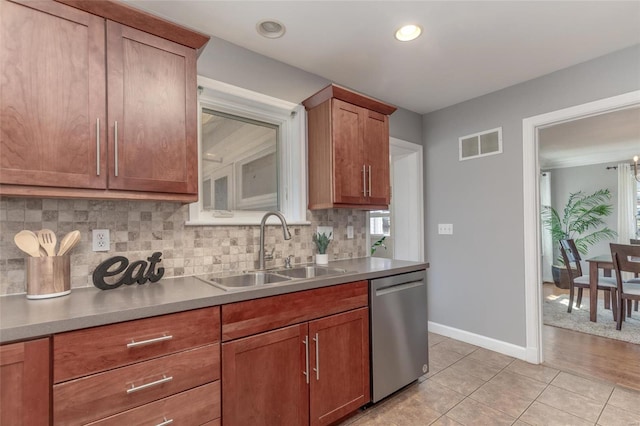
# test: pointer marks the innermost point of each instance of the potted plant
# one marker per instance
(379, 243)
(322, 241)
(582, 220)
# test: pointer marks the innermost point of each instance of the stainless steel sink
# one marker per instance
(244, 280)
(309, 271)
(252, 279)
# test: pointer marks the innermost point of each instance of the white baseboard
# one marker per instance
(499, 346)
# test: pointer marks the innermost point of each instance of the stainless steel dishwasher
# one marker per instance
(399, 347)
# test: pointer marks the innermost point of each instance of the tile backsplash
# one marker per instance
(138, 228)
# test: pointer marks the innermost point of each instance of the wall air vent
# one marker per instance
(481, 144)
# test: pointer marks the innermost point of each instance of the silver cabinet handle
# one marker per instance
(165, 421)
(369, 180)
(115, 150)
(164, 379)
(135, 344)
(364, 180)
(98, 146)
(306, 351)
(317, 369)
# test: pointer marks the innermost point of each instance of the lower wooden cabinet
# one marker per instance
(312, 373)
(25, 383)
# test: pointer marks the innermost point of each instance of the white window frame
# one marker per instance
(292, 178)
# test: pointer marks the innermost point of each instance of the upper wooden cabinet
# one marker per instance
(348, 137)
(93, 107)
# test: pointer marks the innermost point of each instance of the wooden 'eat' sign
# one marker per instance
(139, 271)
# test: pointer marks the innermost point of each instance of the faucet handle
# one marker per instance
(287, 261)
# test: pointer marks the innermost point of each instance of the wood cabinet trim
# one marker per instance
(250, 317)
(338, 92)
(136, 18)
(94, 194)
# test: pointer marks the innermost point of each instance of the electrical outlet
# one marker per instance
(445, 228)
(350, 232)
(101, 241)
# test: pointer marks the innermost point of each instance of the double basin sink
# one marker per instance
(246, 280)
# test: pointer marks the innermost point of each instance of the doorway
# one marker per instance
(531, 192)
(405, 218)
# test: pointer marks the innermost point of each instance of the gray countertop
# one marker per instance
(22, 318)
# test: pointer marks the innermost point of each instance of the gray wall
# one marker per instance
(587, 179)
(476, 278)
(232, 64)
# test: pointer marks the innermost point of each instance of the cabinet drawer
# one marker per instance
(83, 352)
(193, 407)
(255, 316)
(94, 397)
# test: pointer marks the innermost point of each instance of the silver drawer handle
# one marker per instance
(317, 369)
(135, 344)
(98, 146)
(164, 379)
(306, 352)
(369, 180)
(165, 421)
(115, 151)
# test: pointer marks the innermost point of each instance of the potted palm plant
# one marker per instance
(583, 221)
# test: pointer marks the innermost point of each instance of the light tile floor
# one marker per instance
(468, 385)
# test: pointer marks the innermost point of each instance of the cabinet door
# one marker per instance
(151, 85)
(263, 379)
(339, 365)
(53, 96)
(376, 154)
(25, 383)
(348, 160)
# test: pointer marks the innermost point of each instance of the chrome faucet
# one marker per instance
(285, 231)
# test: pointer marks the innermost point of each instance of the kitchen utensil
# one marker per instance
(68, 242)
(47, 239)
(28, 242)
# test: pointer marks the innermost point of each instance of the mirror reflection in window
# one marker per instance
(239, 163)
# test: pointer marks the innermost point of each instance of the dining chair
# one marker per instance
(626, 258)
(571, 258)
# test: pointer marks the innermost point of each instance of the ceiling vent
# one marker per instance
(481, 144)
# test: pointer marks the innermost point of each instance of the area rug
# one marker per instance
(555, 314)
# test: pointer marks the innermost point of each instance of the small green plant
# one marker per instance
(378, 243)
(322, 241)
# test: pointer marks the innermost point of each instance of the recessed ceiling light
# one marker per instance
(270, 29)
(408, 32)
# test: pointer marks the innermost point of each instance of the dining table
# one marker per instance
(604, 262)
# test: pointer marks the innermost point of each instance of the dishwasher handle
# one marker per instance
(397, 287)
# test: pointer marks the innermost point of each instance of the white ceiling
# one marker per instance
(468, 48)
(604, 138)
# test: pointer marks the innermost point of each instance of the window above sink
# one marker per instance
(226, 196)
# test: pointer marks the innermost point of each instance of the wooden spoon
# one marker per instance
(28, 242)
(48, 240)
(68, 242)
